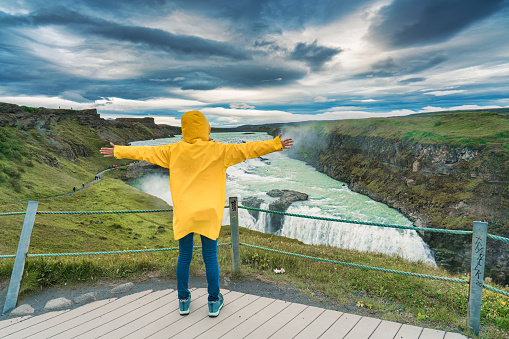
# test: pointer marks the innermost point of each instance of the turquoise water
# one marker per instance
(327, 197)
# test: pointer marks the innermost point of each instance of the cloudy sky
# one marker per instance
(255, 61)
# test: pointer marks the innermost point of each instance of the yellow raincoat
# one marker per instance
(198, 173)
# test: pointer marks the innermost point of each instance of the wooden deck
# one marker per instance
(150, 314)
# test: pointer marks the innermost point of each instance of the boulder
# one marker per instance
(24, 309)
(286, 198)
(57, 303)
(253, 202)
(122, 288)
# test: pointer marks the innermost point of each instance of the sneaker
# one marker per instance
(184, 305)
(216, 306)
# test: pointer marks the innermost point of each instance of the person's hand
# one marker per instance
(287, 143)
(107, 151)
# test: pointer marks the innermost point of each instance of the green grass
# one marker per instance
(92, 232)
(475, 129)
(35, 165)
(399, 298)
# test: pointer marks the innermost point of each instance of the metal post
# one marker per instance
(479, 235)
(234, 226)
(19, 263)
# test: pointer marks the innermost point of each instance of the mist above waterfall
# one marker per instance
(157, 185)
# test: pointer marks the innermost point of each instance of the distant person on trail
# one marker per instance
(198, 187)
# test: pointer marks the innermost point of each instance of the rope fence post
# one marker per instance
(480, 232)
(11, 298)
(234, 226)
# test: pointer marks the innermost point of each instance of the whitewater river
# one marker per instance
(327, 198)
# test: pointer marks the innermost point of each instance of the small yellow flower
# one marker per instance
(503, 303)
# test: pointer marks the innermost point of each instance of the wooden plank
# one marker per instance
(319, 325)
(118, 318)
(297, 324)
(342, 326)
(173, 322)
(429, 333)
(364, 328)
(386, 330)
(147, 314)
(278, 321)
(257, 320)
(12, 321)
(240, 318)
(452, 335)
(169, 315)
(39, 330)
(213, 327)
(183, 327)
(33, 321)
(77, 322)
(408, 332)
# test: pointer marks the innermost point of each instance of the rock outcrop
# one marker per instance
(275, 221)
(286, 198)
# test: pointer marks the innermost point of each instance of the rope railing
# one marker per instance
(496, 237)
(370, 267)
(439, 230)
(39, 255)
(263, 248)
(91, 212)
(357, 265)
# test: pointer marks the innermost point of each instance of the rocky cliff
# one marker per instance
(26, 118)
(435, 184)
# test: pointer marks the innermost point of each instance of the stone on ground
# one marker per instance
(22, 310)
(86, 298)
(122, 288)
(57, 303)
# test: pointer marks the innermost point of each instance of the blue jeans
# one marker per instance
(209, 252)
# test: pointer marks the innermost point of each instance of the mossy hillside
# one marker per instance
(35, 164)
(474, 129)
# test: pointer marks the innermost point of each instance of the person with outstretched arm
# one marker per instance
(197, 168)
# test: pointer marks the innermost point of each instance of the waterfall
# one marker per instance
(327, 198)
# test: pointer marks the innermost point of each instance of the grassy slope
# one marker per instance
(92, 232)
(465, 129)
(26, 157)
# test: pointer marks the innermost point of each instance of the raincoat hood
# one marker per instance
(195, 127)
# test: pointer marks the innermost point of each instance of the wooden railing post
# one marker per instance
(19, 263)
(234, 226)
(480, 232)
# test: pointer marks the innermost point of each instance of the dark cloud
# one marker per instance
(179, 45)
(410, 80)
(257, 15)
(313, 55)
(242, 75)
(409, 65)
(408, 22)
